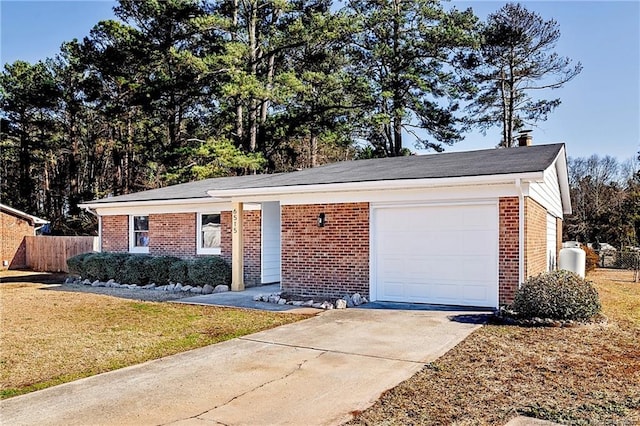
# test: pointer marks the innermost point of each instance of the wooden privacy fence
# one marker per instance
(50, 254)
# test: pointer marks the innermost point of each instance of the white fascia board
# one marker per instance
(35, 220)
(563, 180)
(158, 207)
(382, 185)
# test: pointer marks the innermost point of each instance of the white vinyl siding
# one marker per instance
(551, 243)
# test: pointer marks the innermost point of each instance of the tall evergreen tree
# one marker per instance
(406, 49)
(516, 58)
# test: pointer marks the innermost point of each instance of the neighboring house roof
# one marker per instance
(33, 220)
(489, 162)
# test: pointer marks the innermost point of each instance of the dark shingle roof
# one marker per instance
(433, 166)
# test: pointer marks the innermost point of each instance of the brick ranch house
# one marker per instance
(460, 228)
(14, 226)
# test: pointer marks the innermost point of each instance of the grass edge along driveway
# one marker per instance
(53, 337)
(583, 375)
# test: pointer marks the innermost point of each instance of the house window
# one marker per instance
(139, 234)
(209, 233)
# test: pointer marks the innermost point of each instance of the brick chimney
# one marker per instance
(525, 138)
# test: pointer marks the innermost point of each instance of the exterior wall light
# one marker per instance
(321, 220)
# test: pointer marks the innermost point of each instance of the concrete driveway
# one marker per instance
(317, 371)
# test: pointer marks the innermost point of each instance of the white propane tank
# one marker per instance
(572, 258)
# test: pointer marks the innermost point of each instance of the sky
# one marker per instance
(600, 110)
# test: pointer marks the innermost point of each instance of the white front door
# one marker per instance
(440, 254)
(270, 250)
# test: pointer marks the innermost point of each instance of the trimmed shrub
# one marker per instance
(159, 268)
(179, 272)
(212, 270)
(559, 295)
(94, 267)
(75, 264)
(114, 265)
(136, 269)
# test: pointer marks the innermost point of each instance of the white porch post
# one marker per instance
(237, 248)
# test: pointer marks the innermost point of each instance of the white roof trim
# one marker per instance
(380, 185)
(563, 180)
(33, 219)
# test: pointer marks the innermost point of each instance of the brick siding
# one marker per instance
(509, 248)
(172, 234)
(13, 245)
(535, 238)
(325, 261)
(252, 244)
(115, 234)
(175, 234)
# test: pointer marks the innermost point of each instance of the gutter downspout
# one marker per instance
(520, 232)
(90, 211)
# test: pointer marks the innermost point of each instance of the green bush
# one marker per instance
(75, 264)
(210, 270)
(114, 265)
(159, 268)
(179, 272)
(559, 295)
(94, 267)
(136, 269)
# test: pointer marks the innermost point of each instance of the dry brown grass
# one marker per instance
(582, 375)
(51, 337)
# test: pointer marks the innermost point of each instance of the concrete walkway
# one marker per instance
(315, 371)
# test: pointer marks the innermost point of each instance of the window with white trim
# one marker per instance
(139, 234)
(209, 233)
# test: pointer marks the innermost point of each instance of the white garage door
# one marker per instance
(436, 254)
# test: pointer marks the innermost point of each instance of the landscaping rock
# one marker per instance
(111, 281)
(364, 300)
(257, 298)
(161, 288)
(207, 289)
(170, 287)
(357, 299)
(186, 288)
(69, 280)
(132, 287)
(326, 305)
(221, 288)
(274, 298)
(297, 303)
(86, 282)
(96, 283)
(282, 301)
(341, 304)
(177, 287)
(265, 298)
(308, 303)
(347, 299)
(196, 290)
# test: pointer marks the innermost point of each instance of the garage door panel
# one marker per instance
(442, 254)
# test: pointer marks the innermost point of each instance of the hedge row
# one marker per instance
(143, 269)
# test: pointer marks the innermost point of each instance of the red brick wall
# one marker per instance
(252, 244)
(172, 234)
(115, 234)
(325, 261)
(509, 247)
(535, 238)
(12, 246)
